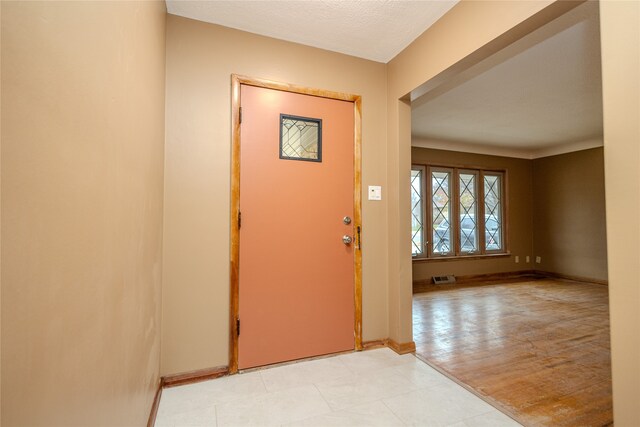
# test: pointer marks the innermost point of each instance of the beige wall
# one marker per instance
(200, 60)
(82, 175)
(569, 221)
(519, 203)
(620, 35)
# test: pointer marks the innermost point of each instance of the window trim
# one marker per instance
(455, 169)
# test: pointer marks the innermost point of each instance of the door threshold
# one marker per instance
(293, 362)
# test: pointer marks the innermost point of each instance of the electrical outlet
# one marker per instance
(538, 260)
(527, 258)
(517, 259)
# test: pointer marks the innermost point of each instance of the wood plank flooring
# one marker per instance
(539, 349)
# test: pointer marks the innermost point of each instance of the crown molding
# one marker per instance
(505, 151)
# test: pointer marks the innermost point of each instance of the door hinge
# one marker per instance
(239, 219)
(240, 115)
(238, 326)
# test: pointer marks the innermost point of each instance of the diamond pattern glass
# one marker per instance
(468, 213)
(493, 212)
(417, 228)
(300, 138)
(441, 210)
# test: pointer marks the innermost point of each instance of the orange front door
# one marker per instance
(296, 293)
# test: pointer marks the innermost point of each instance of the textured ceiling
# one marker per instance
(371, 29)
(542, 92)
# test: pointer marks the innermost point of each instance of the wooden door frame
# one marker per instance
(236, 82)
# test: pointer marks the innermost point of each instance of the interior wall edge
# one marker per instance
(620, 44)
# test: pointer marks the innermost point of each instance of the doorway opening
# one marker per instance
(526, 324)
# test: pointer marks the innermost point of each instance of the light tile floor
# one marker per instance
(369, 388)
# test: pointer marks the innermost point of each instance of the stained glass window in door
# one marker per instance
(300, 138)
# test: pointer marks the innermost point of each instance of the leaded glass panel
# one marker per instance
(493, 212)
(468, 212)
(441, 212)
(417, 227)
(300, 138)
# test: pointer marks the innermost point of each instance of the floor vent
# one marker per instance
(444, 280)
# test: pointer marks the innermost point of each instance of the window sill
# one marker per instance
(462, 257)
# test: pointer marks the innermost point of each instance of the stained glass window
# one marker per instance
(417, 220)
(457, 212)
(468, 211)
(300, 138)
(493, 212)
(441, 212)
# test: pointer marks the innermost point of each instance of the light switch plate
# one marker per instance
(375, 192)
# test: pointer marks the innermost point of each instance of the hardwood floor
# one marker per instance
(539, 349)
